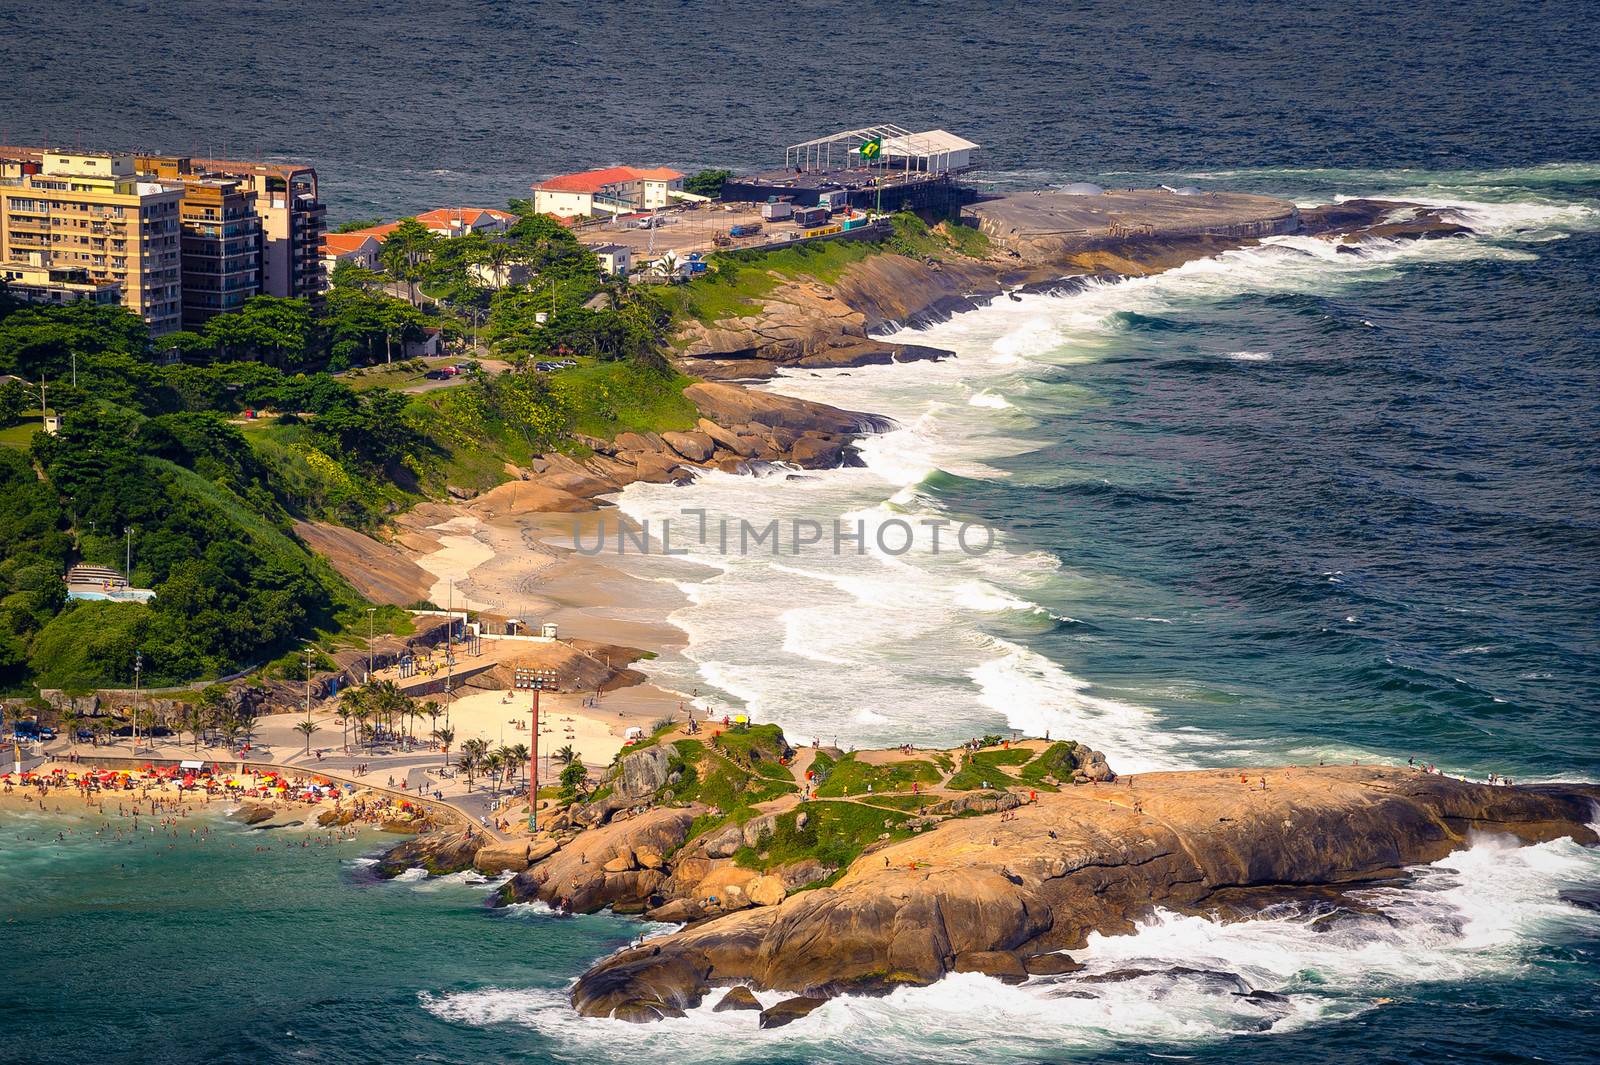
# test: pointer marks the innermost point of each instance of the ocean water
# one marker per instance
(1300, 501)
(1289, 503)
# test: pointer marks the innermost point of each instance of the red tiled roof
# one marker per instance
(344, 243)
(467, 216)
(595, 180)
(378, 233)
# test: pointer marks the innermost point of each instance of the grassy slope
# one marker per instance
(850, 776)
(737, 281)
(19, 436)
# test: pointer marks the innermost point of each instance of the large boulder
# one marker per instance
(495, 858)
(731, 405)
(437, 852)
(1001, 964)
(642, 773)
(696, 446)
(758, 830)
(1053, 964)
(648, 989)
(595, 869)
(724, 842)
(766, 891)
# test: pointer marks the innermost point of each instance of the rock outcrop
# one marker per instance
(439, 853)
(598, 868)
(980, 894)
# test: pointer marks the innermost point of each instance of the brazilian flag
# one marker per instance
(871, 149)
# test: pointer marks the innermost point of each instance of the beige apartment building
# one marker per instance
(221, 248)
(56, 284)
(293, 220)
(91, 211)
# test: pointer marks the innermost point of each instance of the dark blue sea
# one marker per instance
(1292, 503)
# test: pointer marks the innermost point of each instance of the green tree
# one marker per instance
(407, 253)
(307, 728)
(276, 331)
(707, 182)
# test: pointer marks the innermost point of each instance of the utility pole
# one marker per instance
(449, 650)
(127, 568)
(74, 369)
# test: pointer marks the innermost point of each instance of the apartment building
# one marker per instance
(91, 211)
(221, 248)
(293, 219)
(56, 284)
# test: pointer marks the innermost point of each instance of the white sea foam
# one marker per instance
(1476, 914)
(871, 648)
(991, 400)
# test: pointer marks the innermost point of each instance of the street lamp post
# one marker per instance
(138, 670)
(534, 680)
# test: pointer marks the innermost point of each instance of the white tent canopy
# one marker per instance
(934, 150)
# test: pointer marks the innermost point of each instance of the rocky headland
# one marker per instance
(789, 875)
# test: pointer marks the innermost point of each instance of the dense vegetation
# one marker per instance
(200, 453)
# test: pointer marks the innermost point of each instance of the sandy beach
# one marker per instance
(507, 565)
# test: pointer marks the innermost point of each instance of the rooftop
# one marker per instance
(378, 233)
(345, 243)
(463, 215)
(595, 180)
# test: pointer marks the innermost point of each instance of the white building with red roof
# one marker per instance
(459, 221)
(360, 248)
(612, 190)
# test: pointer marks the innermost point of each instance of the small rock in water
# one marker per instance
(737, 998)
(790, 1010)
(1051, 965)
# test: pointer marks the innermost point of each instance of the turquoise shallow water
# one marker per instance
(163, 949)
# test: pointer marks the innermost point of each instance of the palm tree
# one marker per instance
(518, 753)
(473, 752)
(433, 710)
(350, 700)
(566, 755)
(361, 711)
(445, 736)
(306, 728)
(246, 718)
(494, 765)
(189, 720)
(71, 719)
